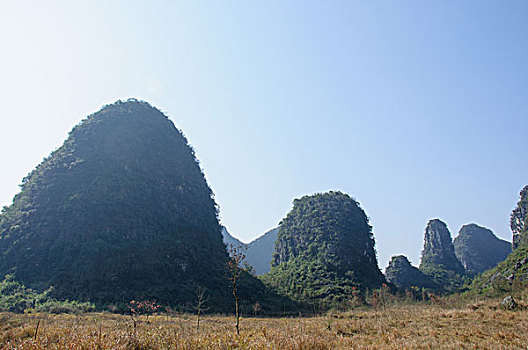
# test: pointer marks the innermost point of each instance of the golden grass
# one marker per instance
(481, 325)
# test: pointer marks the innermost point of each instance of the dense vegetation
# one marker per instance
(121, 211)
(478, 249)
(324, 252)
(507, 275)
(17, 298)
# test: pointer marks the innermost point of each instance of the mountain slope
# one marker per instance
(513, 271)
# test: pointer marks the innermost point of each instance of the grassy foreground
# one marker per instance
(479, 325)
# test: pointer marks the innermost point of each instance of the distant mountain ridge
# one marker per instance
(446, 265)
(476, 248)
(230, 240)
(259, 252)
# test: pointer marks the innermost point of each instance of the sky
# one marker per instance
(417, 109)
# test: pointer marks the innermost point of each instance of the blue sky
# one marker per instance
(418, 109)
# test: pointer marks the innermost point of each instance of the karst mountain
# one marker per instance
(324, 251)
(120, 211)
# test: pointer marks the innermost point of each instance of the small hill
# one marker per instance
(403, 275)
(324, 251)
(438, 257)
(478, 249)
(259, 252)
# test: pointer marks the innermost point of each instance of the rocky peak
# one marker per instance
(518, 221)
(478, 249)
(475, 231)
(438, 247)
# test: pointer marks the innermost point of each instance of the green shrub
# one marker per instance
(15, 297)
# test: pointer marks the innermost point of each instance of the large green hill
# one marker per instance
(121, 211)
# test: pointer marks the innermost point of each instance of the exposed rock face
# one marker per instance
(519, 220)
(478, 249)
(438, 247)
(401, 273)
(260, 251)
(438, 257)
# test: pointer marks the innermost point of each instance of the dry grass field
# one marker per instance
(477, 325)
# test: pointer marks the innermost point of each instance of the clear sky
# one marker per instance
(418, 109)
